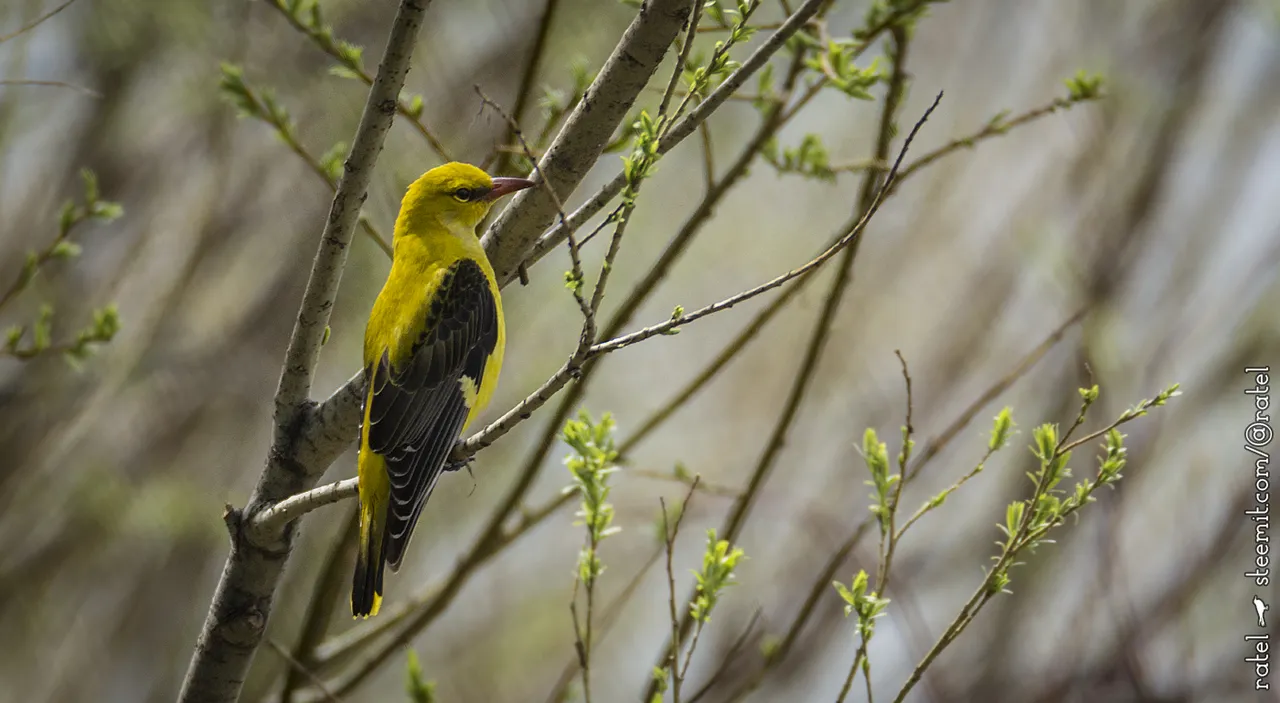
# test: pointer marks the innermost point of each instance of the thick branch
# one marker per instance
(242, 602)
(684, 127)
(584, 136)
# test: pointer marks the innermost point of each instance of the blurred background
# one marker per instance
(1154, 211)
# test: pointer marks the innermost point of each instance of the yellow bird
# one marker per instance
(432, 351)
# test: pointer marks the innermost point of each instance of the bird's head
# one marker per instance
(455, 195)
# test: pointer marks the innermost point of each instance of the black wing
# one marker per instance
(417, 411)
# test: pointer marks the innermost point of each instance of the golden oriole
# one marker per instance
(432, 351)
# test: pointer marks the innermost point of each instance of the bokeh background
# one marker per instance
(1155, 211)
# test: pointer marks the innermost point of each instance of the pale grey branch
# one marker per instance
(586, 132)
(295, 506)
(682, 129)
(238, 614)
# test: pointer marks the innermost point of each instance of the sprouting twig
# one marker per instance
(586, 131)
(822, 583)
(328, 45)
(1028, 521)
(253, 104)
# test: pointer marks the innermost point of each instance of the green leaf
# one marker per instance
(419, 689)
(1001, 429)
(343, 72)
(65, 250)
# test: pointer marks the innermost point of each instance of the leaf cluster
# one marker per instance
(38, 334)
(718, 564)
(593, 460)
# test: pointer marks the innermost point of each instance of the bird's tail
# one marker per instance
(366, 586)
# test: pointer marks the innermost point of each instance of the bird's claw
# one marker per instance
(459, 464)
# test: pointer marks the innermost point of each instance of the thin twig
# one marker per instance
(527, 79)
(36, 22)
(587, 131)
(607, 621)
(669, 534)
(274, 518)
(729, 656)
(298, 666)
(327, 591)
(53, 84)
(682, 59)
(994, 128)
(285, 132)
(684, 127)
(575, 254)
(329, 45)
(942, 439)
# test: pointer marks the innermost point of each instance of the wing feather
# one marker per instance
(418, 410)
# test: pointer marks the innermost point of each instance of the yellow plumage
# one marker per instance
(432, 352)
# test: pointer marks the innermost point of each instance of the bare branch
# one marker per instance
(295, 665)
(851, 231)
(330, 588)
(36, 22)
(531, 66)
(242, 602)
(575, 253)
(584, 136)
(684, 127)
(277, 516)
(53, 84)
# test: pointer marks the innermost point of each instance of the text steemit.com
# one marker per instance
(1257, 436)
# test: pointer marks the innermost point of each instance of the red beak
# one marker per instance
(504, 186)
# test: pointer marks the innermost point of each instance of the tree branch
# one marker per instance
(684, 127)
(586, 132)
(869, 200)
(36, 22)
(237, 617)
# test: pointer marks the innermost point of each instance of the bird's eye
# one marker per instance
(463, 194)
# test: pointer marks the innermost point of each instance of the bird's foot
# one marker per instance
(458, 464)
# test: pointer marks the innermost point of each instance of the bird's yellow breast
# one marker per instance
(399, 314)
